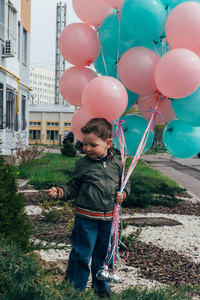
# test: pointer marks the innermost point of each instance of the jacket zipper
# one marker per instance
(104, 165)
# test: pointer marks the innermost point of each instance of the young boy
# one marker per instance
(95, 185)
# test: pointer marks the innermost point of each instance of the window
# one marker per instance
(52, 135)
(12, 21)
(23, 113)
(24, 47)
(1, 106)
(10, 108)
(34, 123)
(67, 124)
(34, 135)
(19, 27)
(2, 19)
(52, 123)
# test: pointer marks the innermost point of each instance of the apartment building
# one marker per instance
(14, 72)
(42, 82)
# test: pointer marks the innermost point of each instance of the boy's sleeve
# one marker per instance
(71, 189)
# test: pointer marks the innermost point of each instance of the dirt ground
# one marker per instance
(153, 262)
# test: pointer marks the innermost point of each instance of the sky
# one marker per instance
(43, 31)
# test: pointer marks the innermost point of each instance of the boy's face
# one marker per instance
(95, 147)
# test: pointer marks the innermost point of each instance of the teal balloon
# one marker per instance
(134, 127)
(188, 109)
(106, 65)
(132, 99)
(113, 44)
(144, 19)
(169, 2)
(182, 1)
(181, 140)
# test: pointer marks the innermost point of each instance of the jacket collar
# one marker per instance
(108, 156)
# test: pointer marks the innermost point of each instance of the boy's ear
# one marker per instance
(109, 143)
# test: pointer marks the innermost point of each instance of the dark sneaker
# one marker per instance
(104, 294)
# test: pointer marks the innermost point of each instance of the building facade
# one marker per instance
(42, 82)
(48, 124)
(14, 72)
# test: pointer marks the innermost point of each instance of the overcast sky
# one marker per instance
(43, 31)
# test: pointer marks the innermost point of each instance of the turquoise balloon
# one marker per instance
(169, 2)
(132, 99)
(188, 109)
(106, 65)
(109, 37)
(181, 140)
(134, 127)
(144, 19)
(182, 1)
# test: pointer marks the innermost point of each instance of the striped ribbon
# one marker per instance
(113, 256)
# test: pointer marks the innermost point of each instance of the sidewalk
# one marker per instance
(184, 171)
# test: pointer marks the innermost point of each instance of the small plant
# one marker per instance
(52, 215)
(69, 150)
(27, 155)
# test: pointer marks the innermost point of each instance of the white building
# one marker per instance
(42, 82)
(14, 72)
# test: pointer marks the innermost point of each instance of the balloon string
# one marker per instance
(104, 62)
(141, 147)
(147, 96)
(113, 249)
(119, 132)
(156, 49)
(118, 50)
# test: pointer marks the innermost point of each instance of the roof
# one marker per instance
(51, 108)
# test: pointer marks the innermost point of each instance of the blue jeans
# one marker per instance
(89, 238)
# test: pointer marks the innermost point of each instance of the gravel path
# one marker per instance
(164, 241)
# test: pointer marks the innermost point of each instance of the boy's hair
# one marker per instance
(99, 126)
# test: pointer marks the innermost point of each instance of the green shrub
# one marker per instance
(146, 191)
(69, 150)
(18, 272)
(22, 278)
(14, 224)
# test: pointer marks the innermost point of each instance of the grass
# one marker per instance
(54, 169)
(57, 169)
(146, 170)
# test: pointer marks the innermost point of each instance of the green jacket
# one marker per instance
(94, 185)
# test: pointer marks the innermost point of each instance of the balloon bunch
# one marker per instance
(128, 51)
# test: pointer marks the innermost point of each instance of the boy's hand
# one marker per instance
(52, 192)
(119, 198)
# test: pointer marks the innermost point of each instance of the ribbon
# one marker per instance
(96, 29)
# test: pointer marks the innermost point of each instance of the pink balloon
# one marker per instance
(136, 70)
(183, 26)
(79, 45)
(147, 104)
(79, 119)
(90, 11)
(72, 83)
(115, 3)
(105, 97)
(177, 73)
